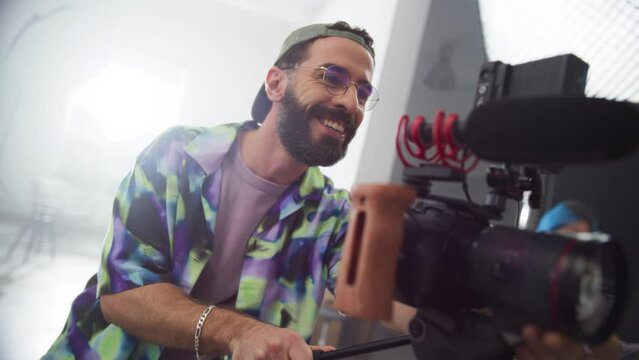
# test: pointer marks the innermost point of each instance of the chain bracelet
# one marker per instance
(198, 330)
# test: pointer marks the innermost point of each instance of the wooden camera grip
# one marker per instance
(366, 281)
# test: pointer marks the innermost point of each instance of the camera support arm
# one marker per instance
(437, 335)
(364, 348)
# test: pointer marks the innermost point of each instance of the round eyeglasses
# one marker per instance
(337, 81)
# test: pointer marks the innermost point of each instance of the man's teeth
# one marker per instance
(333, 125)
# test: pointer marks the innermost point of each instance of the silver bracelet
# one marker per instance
(198, 330)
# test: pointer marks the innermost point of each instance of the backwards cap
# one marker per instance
(262, 104)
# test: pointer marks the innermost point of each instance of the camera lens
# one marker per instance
(590, 295)
(577, 286)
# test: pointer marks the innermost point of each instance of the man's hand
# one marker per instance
(323, 348)
(263, 341)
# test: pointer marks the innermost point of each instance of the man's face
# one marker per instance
(294, 127)
(576, 227)
(314, 125)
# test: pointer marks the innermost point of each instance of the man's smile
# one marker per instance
(334, 128)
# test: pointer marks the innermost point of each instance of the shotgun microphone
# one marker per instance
(551, 130)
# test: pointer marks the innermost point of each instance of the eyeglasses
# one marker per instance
(337, 81)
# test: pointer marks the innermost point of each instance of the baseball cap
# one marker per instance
(262, 104)
(564, 213)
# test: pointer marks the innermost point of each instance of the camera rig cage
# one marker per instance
(475, 284)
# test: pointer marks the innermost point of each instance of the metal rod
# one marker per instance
(363, 348)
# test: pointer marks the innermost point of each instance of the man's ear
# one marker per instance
(275, 84)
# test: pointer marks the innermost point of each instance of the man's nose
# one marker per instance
(348, 101)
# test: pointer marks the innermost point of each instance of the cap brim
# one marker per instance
(261, 105)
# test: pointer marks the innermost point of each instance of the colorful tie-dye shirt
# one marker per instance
(162, 230)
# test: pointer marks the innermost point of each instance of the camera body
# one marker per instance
(451, 262)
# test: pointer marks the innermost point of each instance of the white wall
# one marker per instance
(62, 110)
(395, 84)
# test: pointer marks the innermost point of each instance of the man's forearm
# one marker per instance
(163, 314)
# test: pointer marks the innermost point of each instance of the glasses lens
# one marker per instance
(364, 91)
(367, 96)
(336, 80)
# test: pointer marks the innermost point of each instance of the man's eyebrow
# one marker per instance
(348, 72)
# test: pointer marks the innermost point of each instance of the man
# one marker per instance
(182, 217)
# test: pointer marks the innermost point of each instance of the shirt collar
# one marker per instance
(211, 145)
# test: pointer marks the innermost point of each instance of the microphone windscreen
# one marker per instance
(552, 130)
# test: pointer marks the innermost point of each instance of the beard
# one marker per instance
(294, 130)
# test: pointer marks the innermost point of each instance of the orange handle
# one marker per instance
(366, 281)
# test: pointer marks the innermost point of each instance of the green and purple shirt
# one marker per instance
(162, 230)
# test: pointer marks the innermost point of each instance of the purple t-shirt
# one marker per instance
(245, 199)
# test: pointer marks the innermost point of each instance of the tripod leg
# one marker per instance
(51, 235)
(16, 241)
(32, 240)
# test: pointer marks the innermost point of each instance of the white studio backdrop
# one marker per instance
(88, 84)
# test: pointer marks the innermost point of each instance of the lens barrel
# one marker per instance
(576, 286)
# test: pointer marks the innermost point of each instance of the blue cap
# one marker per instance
(564, 213)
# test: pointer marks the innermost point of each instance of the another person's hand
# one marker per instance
(547, 345)
(264, 341)
(550, 345)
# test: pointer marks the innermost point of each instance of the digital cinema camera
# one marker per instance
(475, 284)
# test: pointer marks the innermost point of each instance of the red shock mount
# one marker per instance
(421, 143)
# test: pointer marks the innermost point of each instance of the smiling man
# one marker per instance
(224, 239)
